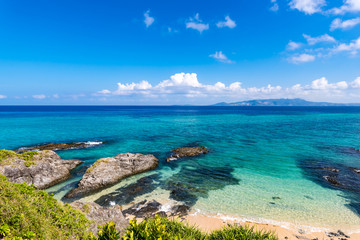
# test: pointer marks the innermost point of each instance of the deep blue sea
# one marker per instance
(266, 164)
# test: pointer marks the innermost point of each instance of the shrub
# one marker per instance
(161, 228)
(28, 213)
(108, 232)
(240, 232)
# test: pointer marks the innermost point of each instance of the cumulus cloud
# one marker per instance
(347, 24)
(148, 20)
(188, 86)
(275, 6)
(197, 24)
(355, 83)
(227, 23)
(2, 96)
(293, 46)
(220, 57)
(302, 58)
(319, 39)
(39, 96)
(348, 6)
(353, 47)
(323, 84)
(307, 6)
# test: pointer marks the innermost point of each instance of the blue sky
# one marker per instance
(178, 52)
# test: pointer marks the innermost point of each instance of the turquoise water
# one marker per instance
(265, 164)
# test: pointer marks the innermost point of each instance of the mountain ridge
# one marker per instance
(283, 102)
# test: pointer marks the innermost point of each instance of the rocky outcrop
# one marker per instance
(43, 169)
(59, 146)
(187, 152)
(148, 209)
(99, 215)
(109, 171)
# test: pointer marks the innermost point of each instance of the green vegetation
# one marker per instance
(95, 164)
(7, 155)
(160, 228)
(241, 232)
(28, 213)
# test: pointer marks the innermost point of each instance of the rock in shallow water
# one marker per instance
(100, 215)
(44, 169)
(109, 171)
(187, 152)
(127, 194)
(59, 146)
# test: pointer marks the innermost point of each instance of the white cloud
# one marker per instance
(293, 46)
(56, 95)
(323, 84)
(355, 83)
(227, 23)
(307, 6)
(302, 58)
(348, 6)
(148, 20)
(319, 39)
(196, 23)
(347, 24)
(275, 6)
(187, 86)
(2, 96)
(39, 96)
(352, 47)
(220, 57)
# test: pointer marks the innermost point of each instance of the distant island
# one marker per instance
(283, 102)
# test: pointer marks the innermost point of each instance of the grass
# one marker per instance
(7, 155)
(28, 213)
(97, 163)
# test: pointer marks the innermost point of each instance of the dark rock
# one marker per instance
(195, 181)
(180, 210)
(127, 194)
(331, 180)
(187, 152)
(143, 209)
(302, 237)
(99, 215)
(59, 146)
(355, 170)
(331, 169)
(109, 171)
(332, 234)
(272, 203)
(276, 198)
(46, 169)
(341, 233)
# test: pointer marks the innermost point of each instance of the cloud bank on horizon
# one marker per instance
(188, 86)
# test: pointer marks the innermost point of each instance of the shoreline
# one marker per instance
(208, 223)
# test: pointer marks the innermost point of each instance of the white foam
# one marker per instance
(166, 207)
(93, 143)
(112, 203)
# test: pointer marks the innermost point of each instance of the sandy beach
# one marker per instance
(210, 223)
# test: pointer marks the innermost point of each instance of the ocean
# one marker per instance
(266, 164)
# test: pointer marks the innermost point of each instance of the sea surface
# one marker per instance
(266, 164)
